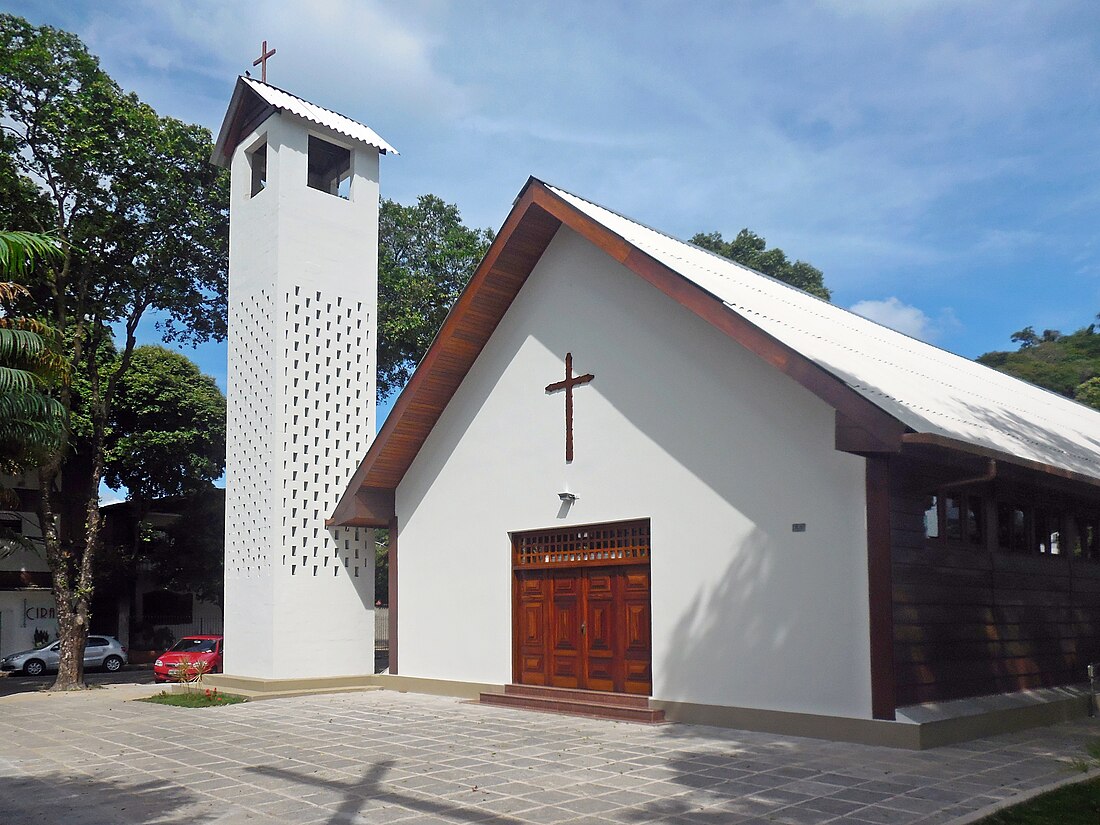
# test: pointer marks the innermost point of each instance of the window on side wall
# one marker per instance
(1048, 532)
(329, 168)
(1013, 527)
(1087, 545)
(955, 519)
(257, 163)
(932, 518)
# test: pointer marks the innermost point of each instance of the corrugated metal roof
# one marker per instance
(928, 389)
(319, 115)
(250, 97)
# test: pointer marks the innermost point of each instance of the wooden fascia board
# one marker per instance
(240, 119)
(936, 440)
(851, 437)
(368, 507)
(421, 376)
(883, 427)
(221, 155)
(880, 588)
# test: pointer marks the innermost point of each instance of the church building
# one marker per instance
(631, 473)
(760, 509)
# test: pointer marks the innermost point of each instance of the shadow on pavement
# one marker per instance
(371, 787)
(13, 684)
(77, 800)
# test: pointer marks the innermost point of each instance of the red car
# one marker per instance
(192, 654)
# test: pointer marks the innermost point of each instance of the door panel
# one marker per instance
(637, 642)
(529, 626)
(565, 628)
(600, 647)
(586, 628)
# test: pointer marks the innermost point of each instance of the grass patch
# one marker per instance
(194, 699)
(1072, 805)
(1093, 749)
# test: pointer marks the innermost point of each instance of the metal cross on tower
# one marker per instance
(261, 61)
(567, 385)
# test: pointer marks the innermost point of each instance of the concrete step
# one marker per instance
(621, 707)
(595, 697)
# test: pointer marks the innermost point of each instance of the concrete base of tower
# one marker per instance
(252, 688)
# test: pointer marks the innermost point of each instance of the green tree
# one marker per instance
(141, 217)
(191, 559)
(31, 421)
(1026, 338)
(1088, 392)
(167, 428)
(166, 438)
(426, 256)
(1066, 364)
(749, 249)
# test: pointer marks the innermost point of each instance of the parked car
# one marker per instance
(106, 652)
(188, 656)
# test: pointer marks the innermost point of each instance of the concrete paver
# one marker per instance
(96, 758)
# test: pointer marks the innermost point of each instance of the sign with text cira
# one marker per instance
(39, 611)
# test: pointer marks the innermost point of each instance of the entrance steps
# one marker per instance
(596, 704)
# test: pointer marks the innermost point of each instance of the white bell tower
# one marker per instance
(303, 273)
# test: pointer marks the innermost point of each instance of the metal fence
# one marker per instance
(180, 626)
(381, 628)
(212, 626)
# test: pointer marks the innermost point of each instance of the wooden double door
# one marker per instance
(585, 627)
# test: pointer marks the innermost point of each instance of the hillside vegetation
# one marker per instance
(1067, 364)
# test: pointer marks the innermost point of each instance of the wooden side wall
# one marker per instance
(970, 622)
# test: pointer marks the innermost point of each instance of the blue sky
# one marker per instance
(938, 160)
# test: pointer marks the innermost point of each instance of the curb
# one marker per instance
(1020, 798)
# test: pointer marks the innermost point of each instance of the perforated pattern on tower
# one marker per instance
(325, 427)
(251, 377)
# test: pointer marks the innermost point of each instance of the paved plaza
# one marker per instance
(96, 758)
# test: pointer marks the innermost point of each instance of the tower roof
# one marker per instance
(253, 101)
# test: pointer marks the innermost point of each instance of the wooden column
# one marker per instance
(880, 587)
(392, 576)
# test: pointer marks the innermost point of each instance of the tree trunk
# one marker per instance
(70, 531)
(71, 621)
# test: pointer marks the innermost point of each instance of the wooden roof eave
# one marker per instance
(418, 391)
(398, 442)
(913, 442)
(246, 112)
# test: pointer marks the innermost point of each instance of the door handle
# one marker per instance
(583, 626)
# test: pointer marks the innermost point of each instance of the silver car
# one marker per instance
(106, 652)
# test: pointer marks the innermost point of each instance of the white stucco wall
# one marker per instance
(24, 610)
(299, 597)
(682, 426)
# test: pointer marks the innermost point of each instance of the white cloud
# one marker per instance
(362, 56)
(907, 319)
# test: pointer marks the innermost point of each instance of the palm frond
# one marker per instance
(33, 405)
(25, 442)
(31, 345)
(29, 324)
(17, 380)
(20, 251)
(20, 344)
(10, 292)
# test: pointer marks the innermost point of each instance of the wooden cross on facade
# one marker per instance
(261, 61)
(567, 385)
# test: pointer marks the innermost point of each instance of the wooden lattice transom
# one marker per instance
(593, 545)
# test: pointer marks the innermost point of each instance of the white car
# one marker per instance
(106, 652)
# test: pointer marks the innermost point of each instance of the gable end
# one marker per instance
(532, 223)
